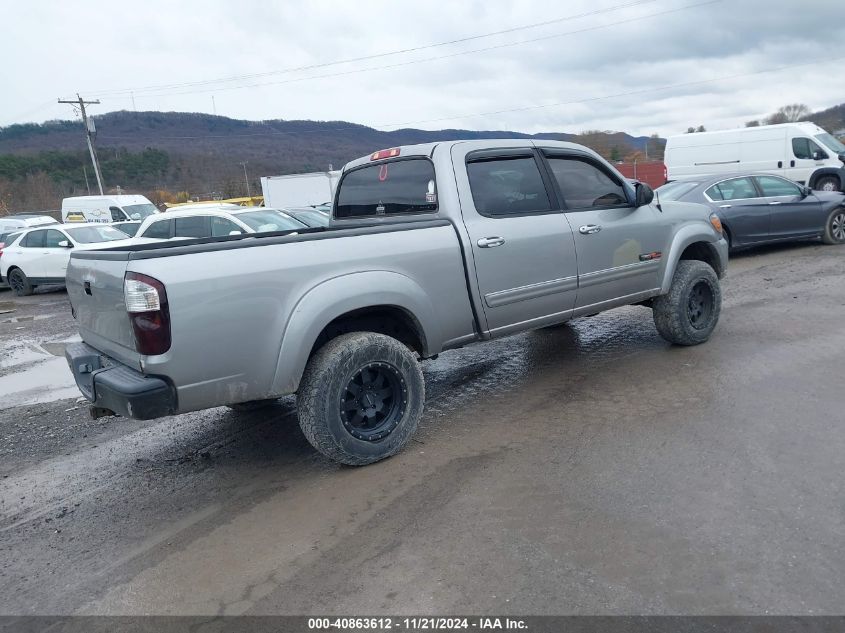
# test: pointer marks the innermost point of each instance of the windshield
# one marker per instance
(830, 141)
(675, 190)
(140, 211)
(95, 234)
(269, 220)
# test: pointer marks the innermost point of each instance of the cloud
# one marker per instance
(97, 47)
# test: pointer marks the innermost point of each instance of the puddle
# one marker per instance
(44, 382)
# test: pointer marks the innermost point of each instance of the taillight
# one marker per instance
(146, 303)
(385, 153)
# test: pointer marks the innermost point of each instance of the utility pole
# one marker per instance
(89, 132)
(246, 178)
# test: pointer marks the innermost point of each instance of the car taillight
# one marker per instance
(146, 304)
(385, 153)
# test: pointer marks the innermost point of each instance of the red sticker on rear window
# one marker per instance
(382, 173)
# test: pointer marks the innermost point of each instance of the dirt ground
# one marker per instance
(586, 469)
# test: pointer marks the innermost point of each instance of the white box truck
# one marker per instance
(802, 152)
(299, 190)
(106, 208)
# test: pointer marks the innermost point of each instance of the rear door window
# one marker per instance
(392, 188)
(197, 226)
(734, 189)
(159, 230)
(35, 239)
(508, 185)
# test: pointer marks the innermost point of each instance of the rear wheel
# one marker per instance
(361, 398)
(688, 314)
(834, 228)
(19, 283)
(827, 183)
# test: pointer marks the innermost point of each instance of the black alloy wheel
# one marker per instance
(700, 305)
(373, 401)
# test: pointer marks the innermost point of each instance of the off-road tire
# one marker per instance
(20, 283)
(834, 228)
(678, 315)
(824, 181)
(324, 386)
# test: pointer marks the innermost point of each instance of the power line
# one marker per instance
(494, 112)
(155, 88)
(437, 57)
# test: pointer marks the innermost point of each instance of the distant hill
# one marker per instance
(200, 153)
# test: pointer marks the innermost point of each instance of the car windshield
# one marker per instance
(269, 220)
(96, 234)
(831, 142)
(140, 211)
(675, 190)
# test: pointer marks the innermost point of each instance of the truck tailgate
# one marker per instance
(95, 289)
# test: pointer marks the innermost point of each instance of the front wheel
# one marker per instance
(20, 283)
(827, 183)
(361, 398)
(834, 228)
(688, 314)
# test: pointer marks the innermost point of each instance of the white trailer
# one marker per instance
(299, 190)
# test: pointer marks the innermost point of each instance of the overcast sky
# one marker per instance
(560, 76)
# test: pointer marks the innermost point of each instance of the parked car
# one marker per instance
(760, 208)
(802, 152)
(309, 216)
(37, 257)
(430, 247)
(204, 220)
(130, 228)
(6, 238)
(22, 221)
(106, 209)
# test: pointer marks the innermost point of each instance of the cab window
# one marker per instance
(772, 187)
(586, 186)
(507, 185)
(804, 148)
(116, 214)
(735, 189)
(391, 188)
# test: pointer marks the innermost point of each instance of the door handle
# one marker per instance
(490, 242)
(724, 206)
(792, 163)
(589, 229)
(780, 164)
(774, 203)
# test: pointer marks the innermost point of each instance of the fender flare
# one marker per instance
(337, 296)
(692, 234)
(839, 172)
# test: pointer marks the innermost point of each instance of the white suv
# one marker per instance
(40, 256)
(206, 220)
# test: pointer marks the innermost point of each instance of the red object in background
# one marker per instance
(652, 172)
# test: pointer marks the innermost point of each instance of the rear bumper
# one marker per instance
(111, 385)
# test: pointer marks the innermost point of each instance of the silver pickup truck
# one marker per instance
(430, 247)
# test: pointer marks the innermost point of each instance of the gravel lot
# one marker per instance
(586, 469)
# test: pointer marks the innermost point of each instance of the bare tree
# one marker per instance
(754, 123)
(789, 114)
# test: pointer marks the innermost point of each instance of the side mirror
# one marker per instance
(645, 194)
(136, 216)
(65, 244)
(819, 155)
(806, 191)
(235, 232)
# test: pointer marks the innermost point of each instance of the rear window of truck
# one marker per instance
(391, 188)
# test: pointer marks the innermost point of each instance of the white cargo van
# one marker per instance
(106, 208)
(802, 152)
